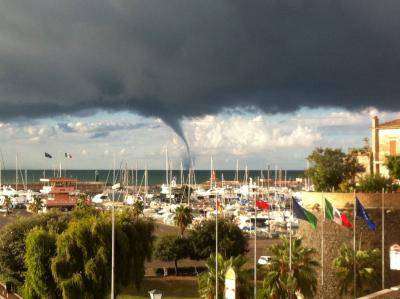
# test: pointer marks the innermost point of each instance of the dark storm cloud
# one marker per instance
(177, 58)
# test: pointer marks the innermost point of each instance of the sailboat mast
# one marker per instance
(189, 187)
(166, 166)
(211, 173)
(170, 171)
(146, 180)
(181, 174)
(237, 173)
(136, 177)
(16, 172)
(285, 178)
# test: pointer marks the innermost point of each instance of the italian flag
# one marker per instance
(333, 214)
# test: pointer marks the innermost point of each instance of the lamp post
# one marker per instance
(114, 187)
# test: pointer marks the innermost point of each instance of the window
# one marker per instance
(392, 148)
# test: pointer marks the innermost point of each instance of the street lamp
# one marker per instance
(114, 187)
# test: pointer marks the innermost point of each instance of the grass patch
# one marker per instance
(148, 296)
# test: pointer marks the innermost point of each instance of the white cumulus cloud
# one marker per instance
(241, 135)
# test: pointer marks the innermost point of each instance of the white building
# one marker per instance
(385, 142)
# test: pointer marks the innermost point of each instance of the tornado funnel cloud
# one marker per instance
(176, 125)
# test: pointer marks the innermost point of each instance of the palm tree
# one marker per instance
(366, 276)
(137, 209)
(280, 282)
(36, 205)
(207, 278)
(183, 217)
(7, 204)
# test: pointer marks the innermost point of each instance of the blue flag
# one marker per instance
(47, 155)
(362, 213)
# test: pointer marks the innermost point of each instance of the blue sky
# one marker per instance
(253, 138)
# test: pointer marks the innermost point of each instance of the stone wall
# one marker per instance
(335, 235)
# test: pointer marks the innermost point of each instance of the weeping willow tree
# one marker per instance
(40, 248)
(82, 265)
(13, 245)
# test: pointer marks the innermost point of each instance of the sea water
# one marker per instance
(155, 177)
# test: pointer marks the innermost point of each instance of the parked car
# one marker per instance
(264, 260)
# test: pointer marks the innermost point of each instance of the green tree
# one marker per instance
(36, 205)
(231, 240)
(183, 217)
(330, 167)
(172, 248)
(13, 246)
(137, 209)
(351, 167)
(375, 183)
(83, 209)
(280, 282)
(207, 278)
(366, 276)
(40, 248)
(81, 267)
(393, 165)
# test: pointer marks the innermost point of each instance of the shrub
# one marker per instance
(375, 183)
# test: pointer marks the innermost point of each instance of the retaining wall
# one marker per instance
(335, 235)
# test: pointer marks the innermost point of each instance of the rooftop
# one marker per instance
(393, 124)
(68, 180)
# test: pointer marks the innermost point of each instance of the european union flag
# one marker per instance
(362, 213)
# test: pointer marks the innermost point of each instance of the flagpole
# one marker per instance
(216, 233)
(255, 245)
(216, 247)
(383, 238)
(322, 243)
(290, 235)
(354, 247)
(113, 233)
(290, 241)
